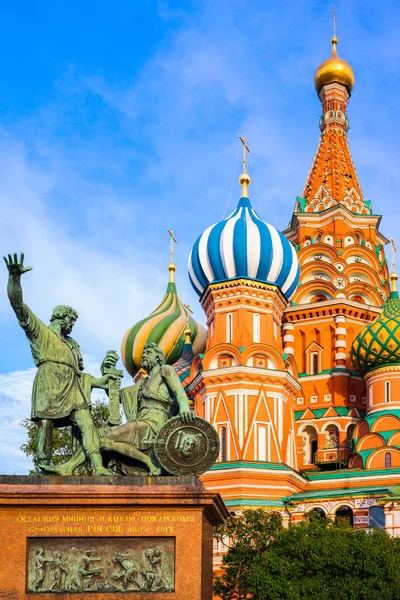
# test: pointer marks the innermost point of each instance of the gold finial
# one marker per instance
(334, 69)
(171, 266)
(393, 274)
(188, 332)
(244, 178)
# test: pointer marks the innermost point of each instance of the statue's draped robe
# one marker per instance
(59, 386)
(147, 409)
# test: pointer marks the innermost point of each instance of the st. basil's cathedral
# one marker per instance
(298, 368)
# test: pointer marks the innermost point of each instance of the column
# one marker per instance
(340, 342)
(288, 338)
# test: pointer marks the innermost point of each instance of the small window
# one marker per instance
(300, 400)
(222, 438)
(327, 398)
(318, 239)
(387, 391)
(371, 395)
(314, 363)
(229, 328)
(363, 400)
(224, 361)
(314, 399)
(388, 460)
(261, 362)
(352, 398)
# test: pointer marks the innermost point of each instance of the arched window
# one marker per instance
(314, 363)
(256, 328)
(345, 512)
(222, 439)
(309, 444)
(388, 460)
(229, 328)
(318, 239)
(387, 391)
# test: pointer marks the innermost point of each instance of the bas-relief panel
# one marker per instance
(140, 564)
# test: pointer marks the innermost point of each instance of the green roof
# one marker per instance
(244, 464)
(351, 473)
(318, 412)
(254, 502)
(374, 416)
(360, 491)
(386, 434)
(365, 454)
(342, 411)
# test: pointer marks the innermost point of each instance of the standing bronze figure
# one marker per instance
(61, 392)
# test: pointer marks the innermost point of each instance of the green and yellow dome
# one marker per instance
(165, 326)
(378, 344)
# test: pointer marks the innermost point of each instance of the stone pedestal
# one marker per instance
(106, 538)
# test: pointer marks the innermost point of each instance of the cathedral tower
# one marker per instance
(343, 280)
(245, 271)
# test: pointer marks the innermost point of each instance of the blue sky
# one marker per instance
(119, 120)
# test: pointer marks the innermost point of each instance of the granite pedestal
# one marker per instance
(106, 538)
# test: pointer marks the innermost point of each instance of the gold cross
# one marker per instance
(393, 255)
(189, 312)
(334, 21)
(245, 149)
(171, 248)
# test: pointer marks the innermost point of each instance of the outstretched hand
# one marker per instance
(15, 266)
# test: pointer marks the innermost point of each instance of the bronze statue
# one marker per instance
(154, 397)
(148, 405)
(61, 392)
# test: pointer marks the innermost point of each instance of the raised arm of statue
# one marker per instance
(174, 384)
(16, 268)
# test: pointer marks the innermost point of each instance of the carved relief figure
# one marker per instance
(156, 573)
(187, 444)
(58, 572)
(39, 567)
(130, 568)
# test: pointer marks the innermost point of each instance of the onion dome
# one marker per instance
(244, 246)
(334, 70)
(184, 364)
(166, 327)
(378, 344)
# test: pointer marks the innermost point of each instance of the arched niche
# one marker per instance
(309, 444)
(345, 512)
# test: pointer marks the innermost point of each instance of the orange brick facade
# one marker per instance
(300, 428)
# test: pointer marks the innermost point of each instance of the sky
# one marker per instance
(119, 120)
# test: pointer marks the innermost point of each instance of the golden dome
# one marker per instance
(334, 70)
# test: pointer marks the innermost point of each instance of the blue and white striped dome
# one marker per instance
(244, 246)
